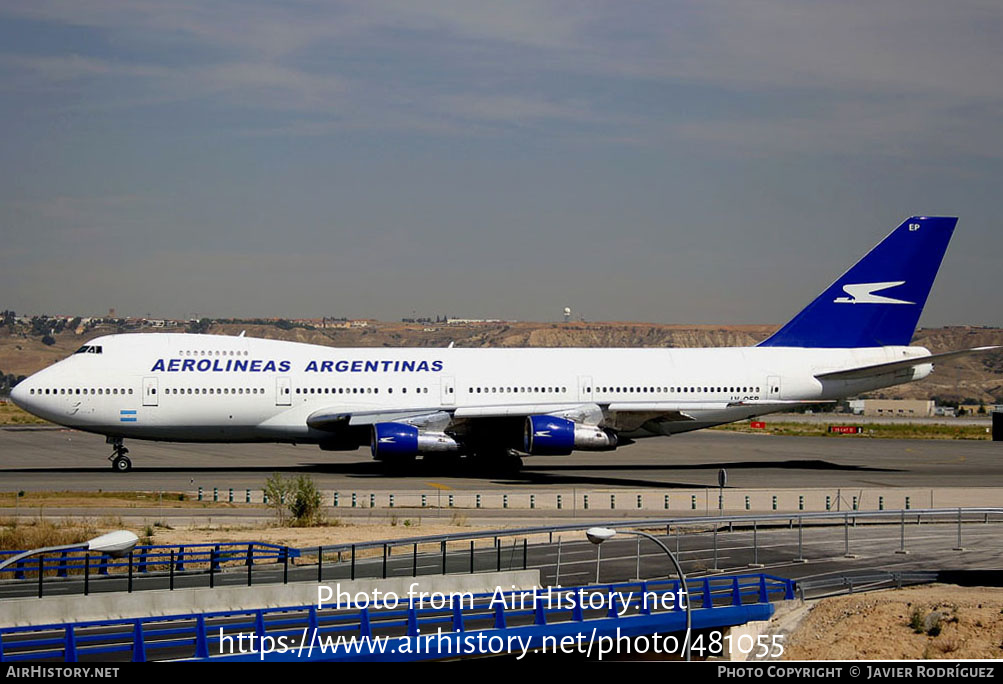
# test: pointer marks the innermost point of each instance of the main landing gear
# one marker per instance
(120, 463)
(497, 462)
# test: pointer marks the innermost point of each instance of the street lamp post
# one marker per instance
(597, 535)
(116, 544)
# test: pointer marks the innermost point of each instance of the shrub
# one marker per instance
(277, 490)
(305, 503)
(300, 498)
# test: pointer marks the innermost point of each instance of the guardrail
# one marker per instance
(849, 583)
(529, 547)
(633, 607)
(517, 554)
(149, 559)
(651, 523)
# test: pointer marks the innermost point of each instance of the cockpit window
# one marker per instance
(89, 349)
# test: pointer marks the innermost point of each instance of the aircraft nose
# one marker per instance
(18, 392)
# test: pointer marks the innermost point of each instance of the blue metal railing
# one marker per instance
(150, 558)
(633, 607)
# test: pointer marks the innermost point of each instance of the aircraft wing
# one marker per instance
(335, 420)
(584, 413)
(893, 366)
(332, 420)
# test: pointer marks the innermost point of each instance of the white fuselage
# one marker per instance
(210, 388)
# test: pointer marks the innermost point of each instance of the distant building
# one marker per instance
(906, 408)
(328, 323)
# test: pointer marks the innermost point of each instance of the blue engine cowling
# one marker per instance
(393, 440)
(400, 440)
(554, 436)
(549, 436)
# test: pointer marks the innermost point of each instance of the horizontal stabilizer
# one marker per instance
(893, 366)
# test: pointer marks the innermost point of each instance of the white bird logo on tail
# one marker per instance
(863, 293)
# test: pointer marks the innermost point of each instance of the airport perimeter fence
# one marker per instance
(703, 545)
(146, 560)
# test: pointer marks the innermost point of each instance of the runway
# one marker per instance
(59, 459)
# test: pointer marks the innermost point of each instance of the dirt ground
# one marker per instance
(339, 531)
(928, 622)
(343, 533)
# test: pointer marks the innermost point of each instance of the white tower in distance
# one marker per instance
(567, 314)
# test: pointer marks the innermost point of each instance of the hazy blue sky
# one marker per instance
(660, 161)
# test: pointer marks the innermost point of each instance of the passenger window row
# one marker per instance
(403, 390)
(355, 390)
(517, 390)
(211, 352)
(79, 390)
(673, 390)
(214, 390)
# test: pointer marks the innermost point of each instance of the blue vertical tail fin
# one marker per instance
(879, 300)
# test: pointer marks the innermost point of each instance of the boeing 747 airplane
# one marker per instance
(493, 404)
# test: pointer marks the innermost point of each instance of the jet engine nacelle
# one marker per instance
(392, 440)
(553, 436)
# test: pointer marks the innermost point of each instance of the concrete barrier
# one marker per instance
(744, 644)
(121, 605)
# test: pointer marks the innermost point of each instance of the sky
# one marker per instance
(674, 162)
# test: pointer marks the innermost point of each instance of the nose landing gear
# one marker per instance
(120, 463)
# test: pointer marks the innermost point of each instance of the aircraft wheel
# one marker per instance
(121, 464)
(442, 463)
(510, 465)
(497, 464)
